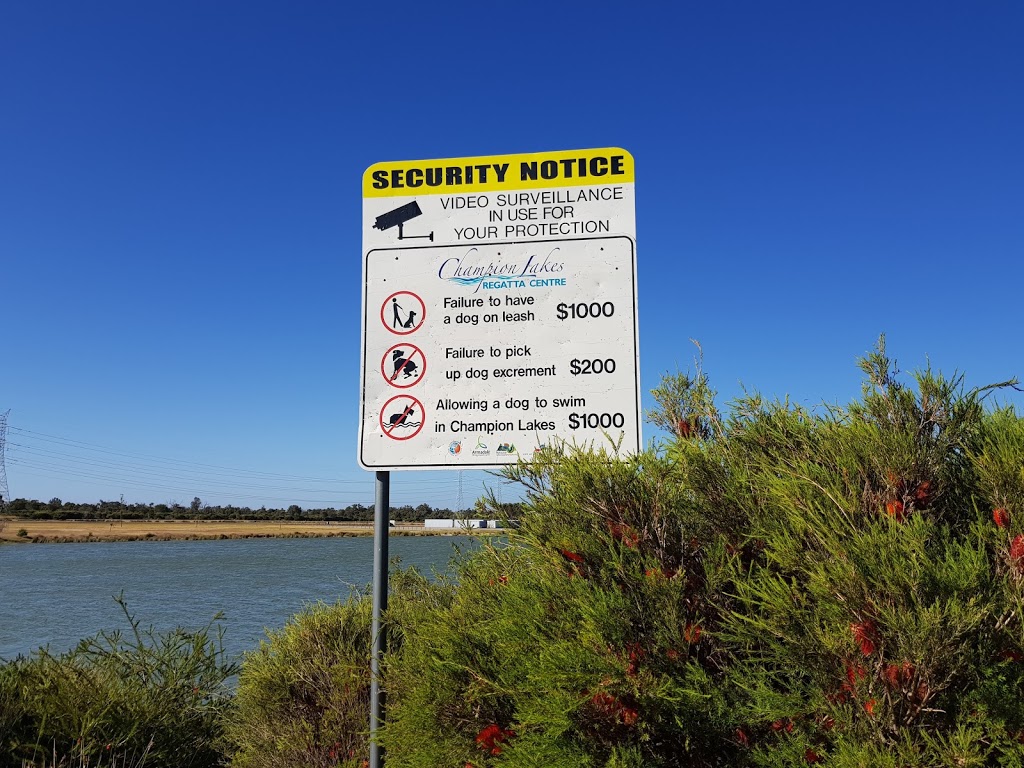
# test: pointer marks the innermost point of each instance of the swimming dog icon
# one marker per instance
(401, 417)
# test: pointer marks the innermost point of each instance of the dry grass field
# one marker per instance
(49, 531)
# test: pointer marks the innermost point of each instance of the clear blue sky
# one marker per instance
(180, 209)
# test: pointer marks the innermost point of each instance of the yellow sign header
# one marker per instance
(569, 168)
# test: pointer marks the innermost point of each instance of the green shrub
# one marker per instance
(303, 695)
(777, 586)
(149, 698)
(874, 623)
(580, 644)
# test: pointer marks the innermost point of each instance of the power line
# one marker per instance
(33, 453)
(149, 464)
(50, 456)
(69, 442)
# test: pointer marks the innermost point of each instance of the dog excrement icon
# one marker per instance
(402, 417)
(403, 365)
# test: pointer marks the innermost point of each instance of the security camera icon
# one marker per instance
(398, 217)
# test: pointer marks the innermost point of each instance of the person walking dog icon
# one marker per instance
(403, 312)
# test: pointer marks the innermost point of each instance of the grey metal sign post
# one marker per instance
(381, 510)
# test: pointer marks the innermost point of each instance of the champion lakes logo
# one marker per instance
(471, 270)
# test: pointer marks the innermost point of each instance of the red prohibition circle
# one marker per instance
(389, 429)
(415, 328)
(392, 380)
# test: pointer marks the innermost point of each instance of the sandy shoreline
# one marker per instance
(63, 531)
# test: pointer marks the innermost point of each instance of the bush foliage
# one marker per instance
(778, 586)
(303, 696)
(142, 698)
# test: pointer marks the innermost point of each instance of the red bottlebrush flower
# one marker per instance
(1017, 550)
(783, 724)
(866, 635)
(503, 579)
(891, 675)
(828, 723)
(869, 706)
(691, 633)
(1009, 654)
(609, 706)
(840, 696)
(741, 737)
(635, 653)
(923, 495)
(109, 746)
(811, 756)
(624, 533)
(672, 654)
(854, 672)
(487, 736)
(684, 428)
(573, 557)
(1001, 517)
(491, 737)
(604, 703)
(895, 509)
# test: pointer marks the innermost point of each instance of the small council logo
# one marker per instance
(507, 448)
(455, 447)
(481, 448)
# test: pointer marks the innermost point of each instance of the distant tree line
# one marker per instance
(55, 509)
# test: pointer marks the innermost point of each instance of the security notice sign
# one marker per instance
(499, 308)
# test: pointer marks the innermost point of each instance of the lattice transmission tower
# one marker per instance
(4, 493)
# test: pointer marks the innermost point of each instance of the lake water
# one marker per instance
(56, 594)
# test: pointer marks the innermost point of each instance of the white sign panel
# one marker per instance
(499, 308)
